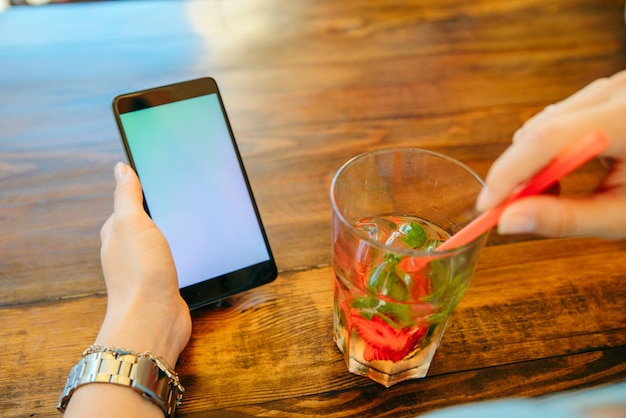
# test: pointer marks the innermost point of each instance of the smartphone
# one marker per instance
(180, 143)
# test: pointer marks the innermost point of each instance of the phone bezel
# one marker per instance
(212, 289)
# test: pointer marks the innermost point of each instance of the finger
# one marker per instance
(596, 93)
(538, 147)
(519, 163)
(571, 126)
(601, 216)
(128, 197)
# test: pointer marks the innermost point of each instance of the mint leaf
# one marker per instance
(400, 313)
(385, 281)
(414, 235)
(397, 315)
(391, 259)
(367, 302)
(367, 306)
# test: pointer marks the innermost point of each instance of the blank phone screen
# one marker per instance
(194, 187)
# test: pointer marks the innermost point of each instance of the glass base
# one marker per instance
(387, 372)
(383, 378)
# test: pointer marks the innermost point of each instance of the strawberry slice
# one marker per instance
(382, 342)
(419, 287)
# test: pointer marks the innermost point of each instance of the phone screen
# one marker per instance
(195, 187)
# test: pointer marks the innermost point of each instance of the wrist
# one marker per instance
(143, 326)
(145, 373)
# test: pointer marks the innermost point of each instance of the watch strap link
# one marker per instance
(147, 374)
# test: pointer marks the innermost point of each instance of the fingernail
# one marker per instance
(121, 170)
(483, 199)
(519, 223)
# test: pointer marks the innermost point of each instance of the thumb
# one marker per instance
(128, 197)
(598, 215)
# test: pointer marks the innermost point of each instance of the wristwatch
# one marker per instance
(145, 373)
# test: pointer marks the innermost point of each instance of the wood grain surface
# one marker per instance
(307, 85)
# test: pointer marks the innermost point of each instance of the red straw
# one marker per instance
(570, 159)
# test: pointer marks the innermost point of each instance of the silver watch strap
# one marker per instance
(151, 376)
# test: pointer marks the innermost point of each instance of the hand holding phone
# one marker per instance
(179, 141)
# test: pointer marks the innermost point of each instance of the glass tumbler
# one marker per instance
(394, 291)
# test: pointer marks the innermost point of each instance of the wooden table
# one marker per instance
(308, 84)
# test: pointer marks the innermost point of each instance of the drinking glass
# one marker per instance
(394, 291)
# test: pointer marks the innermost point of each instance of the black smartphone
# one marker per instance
(180, 143)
